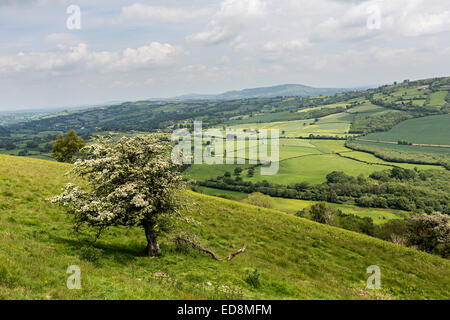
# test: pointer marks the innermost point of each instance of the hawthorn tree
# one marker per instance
(322, 212)
(130, 182)
(65, 147)
(430, 233)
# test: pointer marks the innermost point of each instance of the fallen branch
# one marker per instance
(180, 241)
(210, 252)
(234, 254)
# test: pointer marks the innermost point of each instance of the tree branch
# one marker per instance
(234, 254)
(183, 241)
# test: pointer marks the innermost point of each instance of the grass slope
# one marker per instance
(297, 258)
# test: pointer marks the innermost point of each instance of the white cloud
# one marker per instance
(60, 37)
(229, 21)
(416, 17)
(276, 50)
(294, 45)
(64, 58)
(405, 18)
(139, 11)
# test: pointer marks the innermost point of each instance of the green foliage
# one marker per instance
(338, 177)
(394, 231)
(252, 278)
(430, 233)
(321, 212)
(398, 188)
(355, 223)
(404, 142)
(91, 254)
(65, 147)
(327, 214)
(260, 200)
(426, 232)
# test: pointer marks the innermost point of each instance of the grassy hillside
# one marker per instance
(297, 258)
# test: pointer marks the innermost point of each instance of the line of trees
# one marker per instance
(397, 188)
(426, 232)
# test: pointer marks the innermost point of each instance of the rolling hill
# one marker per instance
(345, 113)
(286, 90)
(296, 258)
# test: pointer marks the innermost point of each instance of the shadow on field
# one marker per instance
(120, 253)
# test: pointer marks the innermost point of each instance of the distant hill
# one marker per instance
(285, 90)
(3, 130)
(151, 115)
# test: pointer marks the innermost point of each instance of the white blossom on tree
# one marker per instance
(129, 182)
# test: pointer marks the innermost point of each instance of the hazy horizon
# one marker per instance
(44, 108)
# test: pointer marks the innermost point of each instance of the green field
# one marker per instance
(332, 125)
(303, 160)
(426, 130)
(438, 98)
(368, 109)
(297, 258)
(364, 156)
(313, 169)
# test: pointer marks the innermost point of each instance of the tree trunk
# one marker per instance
(152, 249)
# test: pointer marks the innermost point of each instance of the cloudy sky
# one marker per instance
(130, 50)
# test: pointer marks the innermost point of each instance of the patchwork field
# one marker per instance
(306, 160)
(423, 97)
(330, 125)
